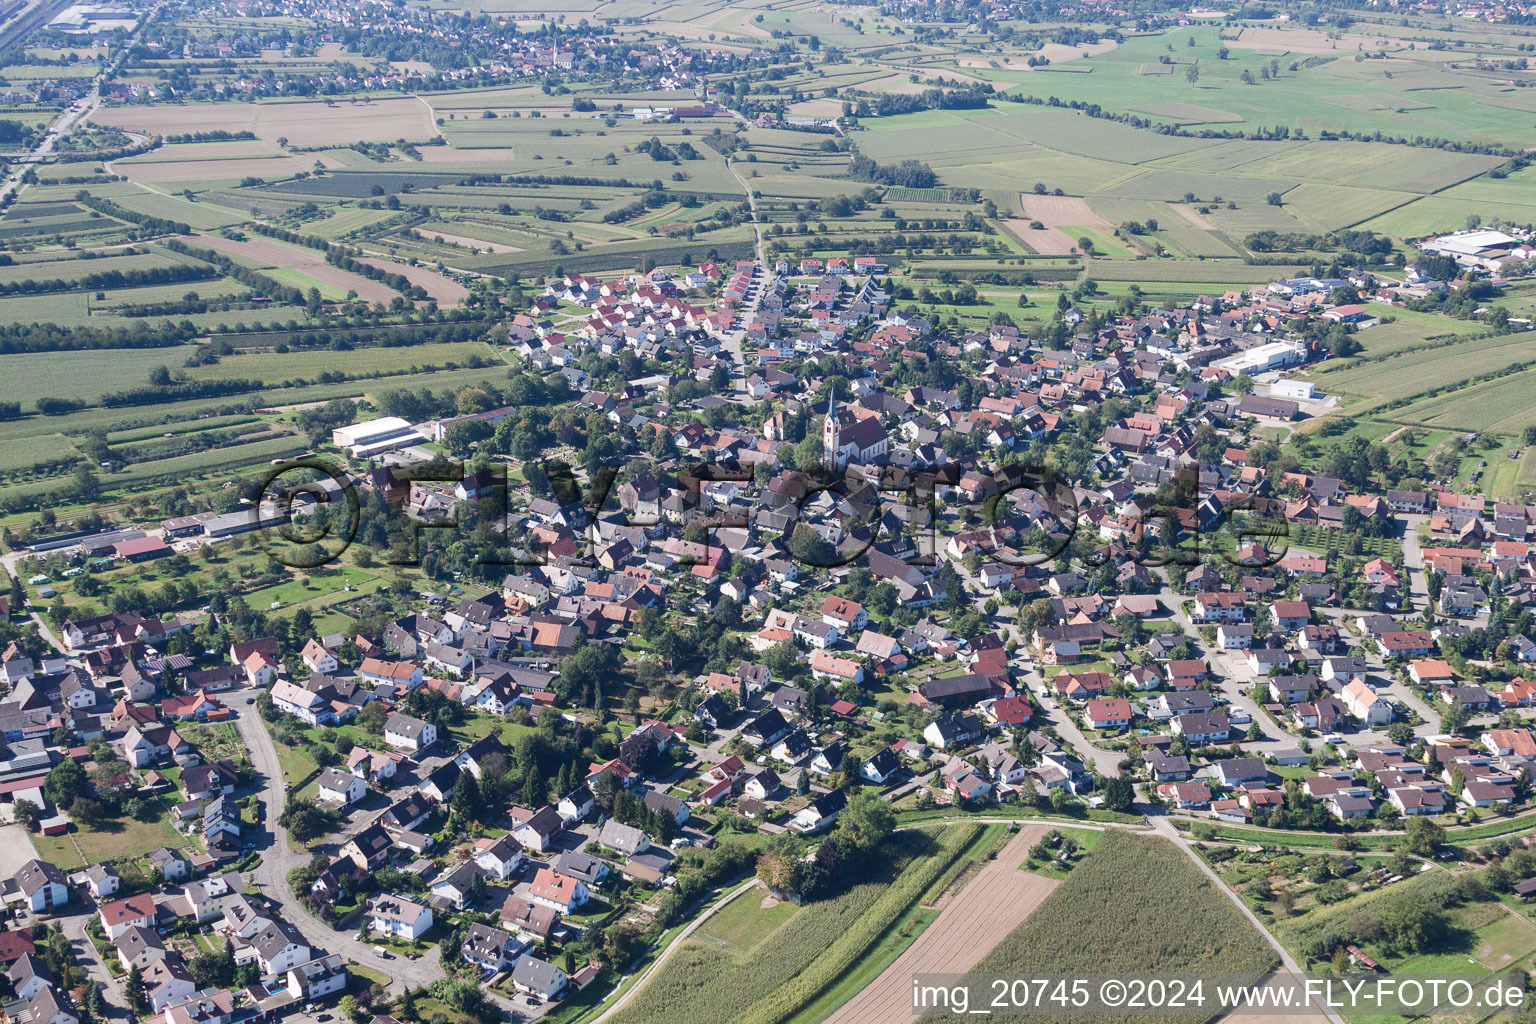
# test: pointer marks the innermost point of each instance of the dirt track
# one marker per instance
(993, 903)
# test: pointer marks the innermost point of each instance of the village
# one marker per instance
(801, 589)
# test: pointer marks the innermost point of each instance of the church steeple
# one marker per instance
(831, 434)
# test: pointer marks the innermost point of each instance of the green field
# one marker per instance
(768, 965)
(1118, 904)
(84, 376)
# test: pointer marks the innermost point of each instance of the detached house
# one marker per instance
(404, 732)
(134, 912)
(41, 885)
(557, 892)
(399, 917)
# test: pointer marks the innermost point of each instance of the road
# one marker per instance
(733, 339)
(1413, 561)
(279, 858)
(75, 114)
(74, 924)
(1164, 827)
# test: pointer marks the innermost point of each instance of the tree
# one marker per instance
(1192, 74)
(1119, 793)
(350, 1008)
(1422, 837)
(27, 812)
(1274, 198)
(66, 783)
(304, 821)
(1412, 924)
(466, 797)
(133, 988)
(866, 821)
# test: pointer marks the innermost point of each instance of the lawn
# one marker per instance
(111, 841)
(296, 764)
(1085, 838)
(319, 587)
(746, 921)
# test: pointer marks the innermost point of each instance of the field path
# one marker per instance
(993, 903)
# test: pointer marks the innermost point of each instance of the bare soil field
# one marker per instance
(992, 904)
(1054, 212)
(273, 168)
(205, 151)
(450, 155)
(445, 290)
(1188, 213)
(307, 262)
(472, 243)
(1056, 53)
(302, 124)
(1307, 40)
(816, 108)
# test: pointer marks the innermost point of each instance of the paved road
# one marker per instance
(1233, 681)
(85, 954)
(1413, 561)
(734, 339)
(279, 858)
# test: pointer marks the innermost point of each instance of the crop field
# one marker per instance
(84, 376)
(284, 369)
(301, 123)
(1501, 406)
(791, 961)
(1118, 903)
(201, 215)
(1408, 374)
(995, 901)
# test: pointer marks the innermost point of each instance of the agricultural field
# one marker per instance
(990, 905)
(1118, 902)
(788, 960)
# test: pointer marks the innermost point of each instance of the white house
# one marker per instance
(399, 917)
(501, 857)
(339, 787)
(1365, 703)
(318, 658)
(41, 885)
(120, 915)
(406, 733)
(318, 978)
(558, 892)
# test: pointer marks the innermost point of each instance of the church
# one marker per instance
(848, 438)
